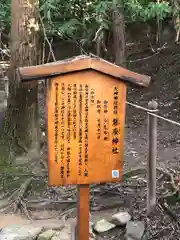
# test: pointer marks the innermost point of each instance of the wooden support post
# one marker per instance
(83, 213)
(152, 155)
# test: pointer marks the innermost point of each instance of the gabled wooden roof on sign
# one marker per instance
(80, 63)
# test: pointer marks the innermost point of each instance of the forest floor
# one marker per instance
(130, 195)
(165, 89)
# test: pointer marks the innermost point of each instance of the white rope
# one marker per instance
(150, 112)
(142, 108)
(165, 119)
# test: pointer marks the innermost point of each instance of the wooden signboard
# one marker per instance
(86, 112)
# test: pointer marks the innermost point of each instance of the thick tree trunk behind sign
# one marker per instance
(21, 123)
(119, 42)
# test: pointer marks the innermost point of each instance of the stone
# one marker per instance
(20, 232)
(121, 218)
(47, 235)
(135, 230)
(67, 228)
(61, 236)
(56, 237)
(103, 226)
(65, 233)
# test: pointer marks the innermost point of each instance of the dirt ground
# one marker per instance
(165, 89)
(131, 196)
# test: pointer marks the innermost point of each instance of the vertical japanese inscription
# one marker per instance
(98, 133)
(98, 106)
(80, 129)
(69, 119)
(98, 121)
(62, 110)
(92, 96)
(106, 121)
(56, 125)
(115, 133)
(61, 159)
(74, 110)
(86, 131)
(62, 148)
(69, 113)
(105, 106)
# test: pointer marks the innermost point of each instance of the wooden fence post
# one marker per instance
(152, 155)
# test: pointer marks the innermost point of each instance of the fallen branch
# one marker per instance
(22, 191)
(164, 206)
(157, 234)
(148, 57)
(16, 197)
(138, 171)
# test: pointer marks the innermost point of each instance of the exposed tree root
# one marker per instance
(15, 200)
(139, 171)
(164, 175)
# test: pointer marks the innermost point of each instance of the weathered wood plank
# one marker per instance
(81, 63)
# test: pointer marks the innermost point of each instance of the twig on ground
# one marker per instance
(24, 208)
(164, 206)
(16, 197)
(139, 171)
(157, 234)
(148, 57)
(174, 190)
(57, 191)
(67, 212)
(5, 174)
(22, 191)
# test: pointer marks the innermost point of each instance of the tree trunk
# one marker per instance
(21, 122)
(119, 41)
(159, 29)
(176, 17)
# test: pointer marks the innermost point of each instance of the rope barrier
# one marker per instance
(165, 119)
(142, 108)
(150, 111)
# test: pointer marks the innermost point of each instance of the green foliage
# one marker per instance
(80, 19)
(136, 11)
(160, 10)
(74, 19)
(4, 13)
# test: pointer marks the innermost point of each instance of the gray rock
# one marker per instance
(135, 230)
(20, 232)
(56, 237)
(47, 235)
(61, 236)
(103, 226)
(121, 218)
(64, 234)
(67, 229)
